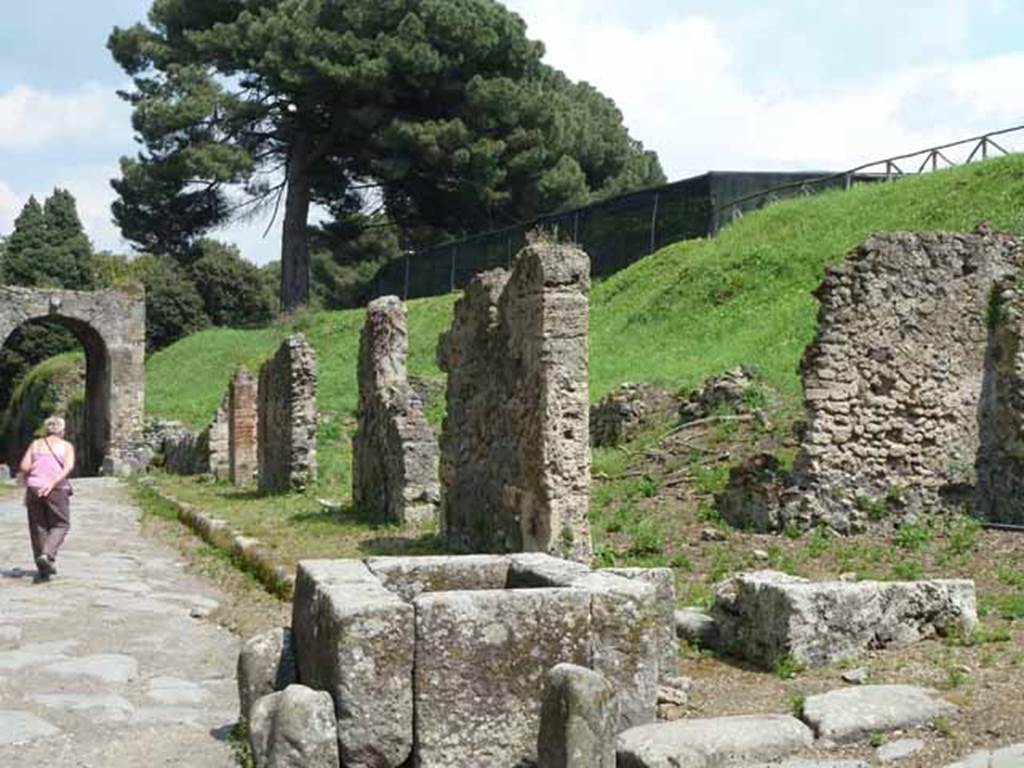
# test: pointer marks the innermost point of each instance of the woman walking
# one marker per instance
(46, 466)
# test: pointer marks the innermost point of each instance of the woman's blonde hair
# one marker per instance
(55, 425)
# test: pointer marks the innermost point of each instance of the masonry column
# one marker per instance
(243, 418)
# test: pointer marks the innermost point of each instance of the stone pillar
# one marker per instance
(243, 418)
(287, 418)
(216, 440)
(515, 464)
(394, 452)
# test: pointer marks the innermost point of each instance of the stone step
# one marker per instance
(848, 714)
(1007, 757)
(812, 764)
(712, 742)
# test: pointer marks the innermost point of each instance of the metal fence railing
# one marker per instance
(928, 160)
(619, 231)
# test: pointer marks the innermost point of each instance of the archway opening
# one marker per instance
(88, 416)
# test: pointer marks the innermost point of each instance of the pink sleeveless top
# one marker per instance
(45, 467)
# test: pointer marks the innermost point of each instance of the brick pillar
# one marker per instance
(243, 417)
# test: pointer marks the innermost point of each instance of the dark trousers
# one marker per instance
(48, 521)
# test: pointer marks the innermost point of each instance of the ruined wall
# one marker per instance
(243, 425)
(287, 418)
(1000, 493)
(515, 464)
(394, 451)
(893, 380)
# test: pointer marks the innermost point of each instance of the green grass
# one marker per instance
(692, 310)
(37, 394)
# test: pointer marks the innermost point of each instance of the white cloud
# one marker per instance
(31, 119)
(10, 205)
(683, 94)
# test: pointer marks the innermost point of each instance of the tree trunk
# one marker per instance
(295, 262)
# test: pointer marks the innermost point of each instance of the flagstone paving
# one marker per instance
(110, 664)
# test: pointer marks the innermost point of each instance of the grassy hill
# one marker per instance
(689, 311)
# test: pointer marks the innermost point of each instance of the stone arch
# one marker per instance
(111, 328)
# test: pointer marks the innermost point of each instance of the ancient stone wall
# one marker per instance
(893, 380)
(287, 418)
(394, 451)
(111, 327)
(515, 464)
(243, 421)
(1000, 492)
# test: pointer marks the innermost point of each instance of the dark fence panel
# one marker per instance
(617, 232)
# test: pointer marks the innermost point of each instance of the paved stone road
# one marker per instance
(105, 667)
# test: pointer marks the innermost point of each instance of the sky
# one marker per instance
(708, 84)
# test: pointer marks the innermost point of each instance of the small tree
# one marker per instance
(174, 308)
(233, 290)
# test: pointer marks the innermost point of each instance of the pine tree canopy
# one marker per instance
(439, 114)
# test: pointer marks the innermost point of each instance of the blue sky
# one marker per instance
(709, 84)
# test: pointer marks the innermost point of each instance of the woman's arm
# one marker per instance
(26, 461)
(69, 461)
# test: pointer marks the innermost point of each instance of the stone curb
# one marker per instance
(245, 551)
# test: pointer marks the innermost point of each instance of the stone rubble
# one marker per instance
(294, 728)
(577, 720)
(628, 410)
(395, 453)
(732, 392)
(515, 454)
(288, 418)
(767, 616)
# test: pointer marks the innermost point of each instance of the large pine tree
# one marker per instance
(438, 113)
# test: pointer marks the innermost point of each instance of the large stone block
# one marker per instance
(294, 729)
(720, 741)
(287, 418)
(664, 583)
(355, 640)
(766, 616)
(847, 714)
(515, 463)
(626, 628)
(578, 720)
(481, 658)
